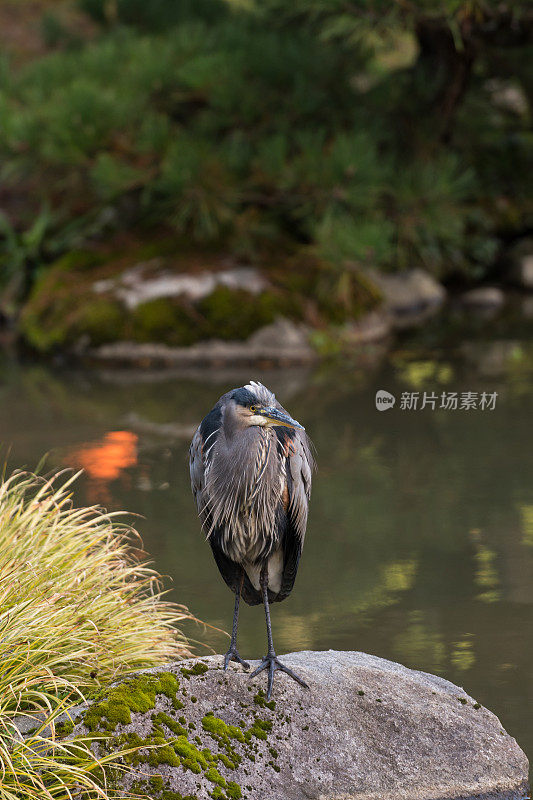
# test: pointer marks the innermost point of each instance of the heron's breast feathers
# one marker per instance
(243, 496)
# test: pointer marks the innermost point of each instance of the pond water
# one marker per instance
(420, 539)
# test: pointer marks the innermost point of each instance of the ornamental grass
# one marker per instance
(77, 610)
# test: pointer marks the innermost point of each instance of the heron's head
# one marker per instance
(249, 409)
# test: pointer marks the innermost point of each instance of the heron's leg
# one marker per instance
(233, 653)
(271, 661)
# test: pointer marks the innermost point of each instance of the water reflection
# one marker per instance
(420, 542)
(103, 462)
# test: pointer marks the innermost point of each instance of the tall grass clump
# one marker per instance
(77, 610)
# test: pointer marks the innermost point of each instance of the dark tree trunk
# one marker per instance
(445, 69)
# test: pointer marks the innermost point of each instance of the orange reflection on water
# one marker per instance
(104, 461)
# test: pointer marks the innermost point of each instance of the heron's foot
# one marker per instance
(272, 664)
(233, 655)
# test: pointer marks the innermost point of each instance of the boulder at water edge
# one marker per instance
(366, 728)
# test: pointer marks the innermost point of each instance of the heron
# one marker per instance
(251, 466)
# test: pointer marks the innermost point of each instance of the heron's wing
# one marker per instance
(196, 467)
(200, 458)
(295, 448)
(300, 467)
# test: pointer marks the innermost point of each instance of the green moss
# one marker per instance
(223, 314)
(260, 728)
(168, 742)
(77, 261)
(64, 729)
(130, 740)
(214, 776)
(62, 306)
(198, 669)
(260, 700)
(165, 320)
(225, 735)
(156, 782)
(164, 754)
(172, 725)
(218, 728)
(191, 757)
(228, 763)
(477, 706)
(136, 694)
(208, 755)
(235, 314)
(101, 319)
(168, 684)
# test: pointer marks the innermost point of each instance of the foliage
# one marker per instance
(76, 610)
(369, 133)
(156, 15)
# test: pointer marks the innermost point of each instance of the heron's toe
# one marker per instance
(233, 655)
(263, 665)
(273, 664)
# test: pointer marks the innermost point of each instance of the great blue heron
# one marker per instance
(251, 469)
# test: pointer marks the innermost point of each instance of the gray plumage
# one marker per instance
(251, 466)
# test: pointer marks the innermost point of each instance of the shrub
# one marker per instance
(264, 129)
(76, 610)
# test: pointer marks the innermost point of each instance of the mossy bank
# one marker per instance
(366, 728)
(85, 299)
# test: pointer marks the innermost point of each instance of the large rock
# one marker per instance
(367, 728)
(375, 326)
(523, 271)
(485, 298)
(150, 281)
(483, 302)
(282, 343)
(508, 95)
(519, 262)
(410, 297)
(156, 309)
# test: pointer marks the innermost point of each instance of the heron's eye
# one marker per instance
(253, 409)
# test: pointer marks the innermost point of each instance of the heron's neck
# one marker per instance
(243, 477)
(246, 457)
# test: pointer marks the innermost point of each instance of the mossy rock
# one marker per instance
(236, 314)
(64, 309)
(200, 733)
(163, 320)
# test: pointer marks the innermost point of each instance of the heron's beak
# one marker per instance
(277, 417)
